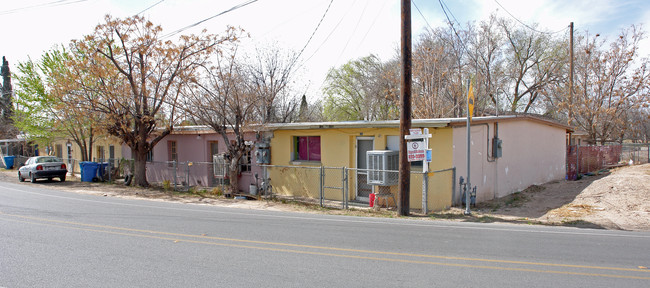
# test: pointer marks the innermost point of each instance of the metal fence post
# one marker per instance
(344, 200)
(453, 185)
(577, 161)
(320, 185)
(187, 176)
(345, 187)
(175, 175)
(425, 190)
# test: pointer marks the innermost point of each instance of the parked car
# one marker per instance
(42, 167)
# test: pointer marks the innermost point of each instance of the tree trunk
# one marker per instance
(234, 176)
(140, 167)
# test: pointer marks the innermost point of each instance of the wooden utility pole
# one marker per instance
(570, 74)
(405, 115)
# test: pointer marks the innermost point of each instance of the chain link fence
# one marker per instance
(587, 159)
(341, 187)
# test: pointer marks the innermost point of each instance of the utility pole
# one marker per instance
(570, 74)
(405, 114)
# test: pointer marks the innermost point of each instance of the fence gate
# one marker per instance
(333, 185)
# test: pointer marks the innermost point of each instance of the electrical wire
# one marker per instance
(150, 7)
(312, 34)
(371, 26)
(452, 25)
(209, 18)
(423, 18)
(524, 24)
(354, 30)
(48, 4)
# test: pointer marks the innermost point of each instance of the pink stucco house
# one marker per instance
(195, 145)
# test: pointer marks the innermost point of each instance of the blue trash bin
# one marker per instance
(103, 167)
(9, 162)
(88, 171)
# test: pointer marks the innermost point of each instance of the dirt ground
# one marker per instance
(617, 199)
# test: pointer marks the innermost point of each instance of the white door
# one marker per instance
(364, 144)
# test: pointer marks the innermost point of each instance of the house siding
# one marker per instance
(338, 149)
(533, 153)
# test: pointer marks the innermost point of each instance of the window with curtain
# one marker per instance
(306, 148)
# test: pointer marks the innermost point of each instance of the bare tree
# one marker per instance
(609, 83)
(223, 99)
(535, 61)
(140, 78)
(270, 71)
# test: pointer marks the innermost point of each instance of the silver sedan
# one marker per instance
(42, 167)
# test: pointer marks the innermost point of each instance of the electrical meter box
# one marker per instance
(497, 147)
(262, 153)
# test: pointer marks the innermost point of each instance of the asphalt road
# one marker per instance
(50, 238)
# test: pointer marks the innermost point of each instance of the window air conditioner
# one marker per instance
(220, 165)
(385, 164)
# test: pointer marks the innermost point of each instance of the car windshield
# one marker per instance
(47, 160)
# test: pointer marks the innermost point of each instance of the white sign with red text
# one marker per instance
(416, 151)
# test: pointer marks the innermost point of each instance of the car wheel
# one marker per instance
(32, 177)
(62, 178)
(20, 178)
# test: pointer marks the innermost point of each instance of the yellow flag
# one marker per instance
(470, 101)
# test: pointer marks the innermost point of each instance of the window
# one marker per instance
(111, 152)
(100, 153)
(172, 151)
(150, 156)
(306, 148)
(214, 148)
(58, 150)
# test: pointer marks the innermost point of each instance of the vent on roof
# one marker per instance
(383, 166)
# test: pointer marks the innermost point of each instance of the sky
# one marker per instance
(329, 33)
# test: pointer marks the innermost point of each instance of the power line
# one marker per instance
(424, 18)
(312, 34)
(209, 18)
(524, 24)
(371, 26)
(150, 7)
(48, 4)
(452, 24)
(326, 38)
(354, 30)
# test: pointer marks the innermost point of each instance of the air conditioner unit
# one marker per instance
(220, 164)
(385, 164)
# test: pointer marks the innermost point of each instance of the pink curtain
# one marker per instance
(309, 148)
(314, 148)
(303, 148)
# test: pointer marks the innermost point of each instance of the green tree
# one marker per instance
(7, 127)
(361, 89)
(47, 110)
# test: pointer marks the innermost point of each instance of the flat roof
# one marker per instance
(417, 123)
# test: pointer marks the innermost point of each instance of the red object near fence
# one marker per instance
(585, 159)
(371, 199)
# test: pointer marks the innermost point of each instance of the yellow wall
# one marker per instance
(104, 142)
(338, 150)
